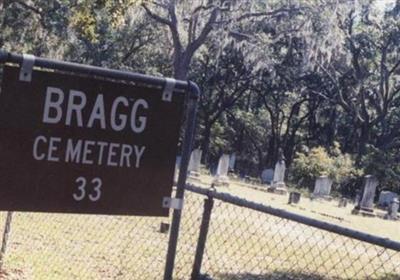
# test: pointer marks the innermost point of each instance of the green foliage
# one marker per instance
(39, 28)
(319, 162)
(219, 142)
(84, 22)
(312, 74)
(385, 165)
(88, 15)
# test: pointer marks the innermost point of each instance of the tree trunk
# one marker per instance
(181, 66)
(289, 147)
(271, 155)
(363, 141)
(332, 127)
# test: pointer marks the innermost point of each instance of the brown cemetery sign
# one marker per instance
(79, 144)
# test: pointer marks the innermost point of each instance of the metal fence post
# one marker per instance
(180, 189)
(201, 243)
(6, 232)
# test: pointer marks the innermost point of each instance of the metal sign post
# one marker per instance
(187, 148)
(86, 139)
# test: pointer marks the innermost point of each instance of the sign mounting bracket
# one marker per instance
(172, 203)
(168, 89)
(28, 61)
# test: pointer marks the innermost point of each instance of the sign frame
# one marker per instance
(191, 91)
(78, 144)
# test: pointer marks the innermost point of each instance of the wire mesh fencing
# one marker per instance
(72, 246)
(242, 242)
(63, 246)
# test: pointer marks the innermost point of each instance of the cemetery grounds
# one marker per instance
(241, 244)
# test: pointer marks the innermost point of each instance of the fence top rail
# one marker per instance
(180, 85)
(358, 235)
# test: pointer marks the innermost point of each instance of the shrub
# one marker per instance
(319, 162)
(385, 165)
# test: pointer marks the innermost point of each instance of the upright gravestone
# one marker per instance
(365, 206)
(279, 172)
(294, 197)
(221, 177)
(393, 209)
(278, 182)
(267, 176)
(342, 202)
(322, 188)
(232, 161)
(385, 197)
(194, 163)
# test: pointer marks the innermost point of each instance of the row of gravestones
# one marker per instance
(226, 162)
(322, 188)
(365, 199)
(275, 178)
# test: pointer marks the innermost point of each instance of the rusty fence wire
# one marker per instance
(241, 241)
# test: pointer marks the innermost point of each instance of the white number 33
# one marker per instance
(81, 192)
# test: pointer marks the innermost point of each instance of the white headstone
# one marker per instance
(385, 197)
(393, 209)
(221, 177)
(232, 160)
(368, 194)
(195, 159)
(279, 172)
(223, 166)
(267, 176)
(323, 185)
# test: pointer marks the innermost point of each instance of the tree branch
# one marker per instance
(33, 9)
(394, 68)
(156, 17)
(29, 7)
(272, 13)
(193, 46)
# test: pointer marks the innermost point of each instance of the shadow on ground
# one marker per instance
(272, 275)
(288, 276)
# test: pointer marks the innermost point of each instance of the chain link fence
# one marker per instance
(72, 246)
(242, 242)
(63, 246)
(246, 240)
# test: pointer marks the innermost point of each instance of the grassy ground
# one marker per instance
(54, 246)
(242, 244)
(318, 209)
